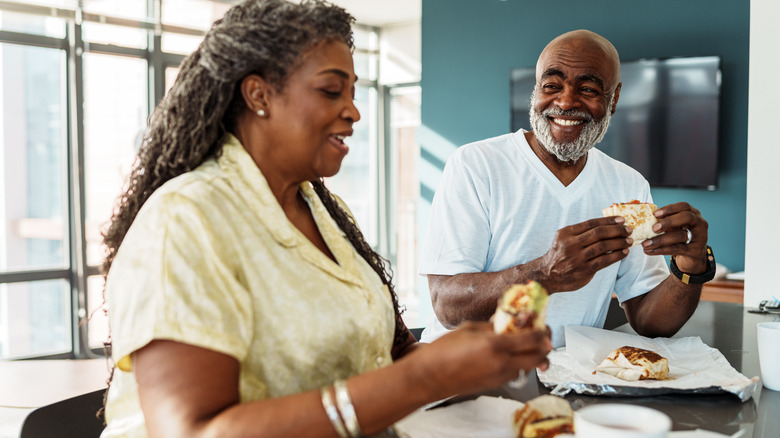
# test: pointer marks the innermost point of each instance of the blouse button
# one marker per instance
(379, 360)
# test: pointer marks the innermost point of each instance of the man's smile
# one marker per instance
(567, 122)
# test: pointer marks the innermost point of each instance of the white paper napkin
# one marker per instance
(485, 417)
(488, 417)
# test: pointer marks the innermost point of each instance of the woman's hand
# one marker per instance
(473, 358)
(194, 392)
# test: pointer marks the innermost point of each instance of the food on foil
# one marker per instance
(632, 364)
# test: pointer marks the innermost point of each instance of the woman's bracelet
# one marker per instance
(333, 413)
(346, 409)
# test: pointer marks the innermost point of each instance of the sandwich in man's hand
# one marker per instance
(543, 417)
(632, 364)
(521, 307)
(638, 215)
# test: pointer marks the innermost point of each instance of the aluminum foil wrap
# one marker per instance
(694, 367)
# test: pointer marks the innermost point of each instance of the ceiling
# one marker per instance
(379, 13)
(382, 13)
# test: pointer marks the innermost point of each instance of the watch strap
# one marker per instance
(702, 278)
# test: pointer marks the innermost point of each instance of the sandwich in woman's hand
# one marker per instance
(632, 364)
(543, 417)
(638, 215)
(522, 307)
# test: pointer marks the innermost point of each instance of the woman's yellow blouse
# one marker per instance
(212, 261)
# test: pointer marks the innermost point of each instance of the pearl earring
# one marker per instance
(261, 112)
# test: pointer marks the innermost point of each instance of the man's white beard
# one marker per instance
(592, 133)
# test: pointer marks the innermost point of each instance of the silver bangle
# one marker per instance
(520, 381)
(346, 409)
(333, 413)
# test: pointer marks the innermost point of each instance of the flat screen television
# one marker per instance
(666, 123)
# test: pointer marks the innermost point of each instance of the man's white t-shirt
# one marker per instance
(498, 206)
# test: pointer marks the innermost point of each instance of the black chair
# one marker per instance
(75, 417)
(616, 316)
(417, 332)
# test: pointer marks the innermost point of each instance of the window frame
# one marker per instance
(74, 46)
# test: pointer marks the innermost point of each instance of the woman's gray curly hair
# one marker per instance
(263, 37)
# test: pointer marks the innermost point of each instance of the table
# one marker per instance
(29, 384)
(729, 291)
(36, 383)
(731, 329)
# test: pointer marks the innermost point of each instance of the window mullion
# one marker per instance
(156, 67)
(75, 187)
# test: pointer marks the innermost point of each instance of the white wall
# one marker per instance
(762, 238)
(400, 60)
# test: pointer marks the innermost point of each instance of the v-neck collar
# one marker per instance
(251, 185)
(555, 186)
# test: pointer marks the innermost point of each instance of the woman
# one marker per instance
(242, 297)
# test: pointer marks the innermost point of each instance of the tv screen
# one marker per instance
(666, 123)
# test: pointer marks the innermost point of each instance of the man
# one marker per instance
(527, 205)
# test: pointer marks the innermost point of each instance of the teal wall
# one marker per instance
(469, 47)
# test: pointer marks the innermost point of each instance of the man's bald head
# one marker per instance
(583, 43)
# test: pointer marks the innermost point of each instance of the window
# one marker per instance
(34, 169)
(356, 183)
(64, 110)
(401, 122)
(113, 109)
(33, 212)
(378, 179)
(71, 122)
(35, 317)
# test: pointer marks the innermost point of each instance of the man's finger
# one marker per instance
(590, 224)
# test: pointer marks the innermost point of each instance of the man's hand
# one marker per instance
(675, 221)
(580, 250)
(663, 310)
(576, 254)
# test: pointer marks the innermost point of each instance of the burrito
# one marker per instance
(638, 215)
(522, 307)
(632, 364)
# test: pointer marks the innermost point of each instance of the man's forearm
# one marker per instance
(665, 309)
(473, 296)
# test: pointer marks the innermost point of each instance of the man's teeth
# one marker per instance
(340, 137)
(566, 122)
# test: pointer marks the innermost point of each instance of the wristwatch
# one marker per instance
(708, 275)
